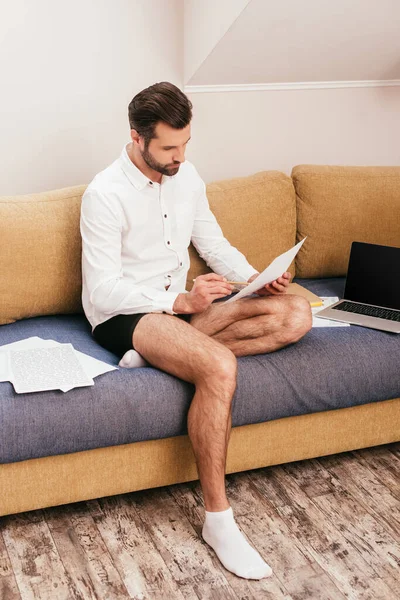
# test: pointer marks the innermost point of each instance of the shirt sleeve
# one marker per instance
(109, 291)
(213, 247)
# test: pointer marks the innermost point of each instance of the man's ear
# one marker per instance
(135, 136)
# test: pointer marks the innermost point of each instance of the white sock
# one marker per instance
(222, 533)
(132, 359)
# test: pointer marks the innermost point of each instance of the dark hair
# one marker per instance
(160, 102)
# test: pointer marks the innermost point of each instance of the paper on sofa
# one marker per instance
(91, 365)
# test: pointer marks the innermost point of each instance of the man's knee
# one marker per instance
(218, 365)
(298, 318)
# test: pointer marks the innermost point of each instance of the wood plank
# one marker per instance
(311, 477)
(184, 553)
(366, 488)
(380, 549)
(8, 585)
(88, 564)
(9, 589)
(295, 574)
(373, 541)
(384, 466)
(327, 545)
(377, 546)
(394, 449)
(35, 561)
(142, 569)
(93, 507)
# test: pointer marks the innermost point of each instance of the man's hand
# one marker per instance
(275, 288)
(205, 290)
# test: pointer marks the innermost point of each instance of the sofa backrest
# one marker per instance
(257, 214)
(40, 242)
(338, 205)
(40, 254)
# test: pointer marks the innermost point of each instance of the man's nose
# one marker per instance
(179, 156)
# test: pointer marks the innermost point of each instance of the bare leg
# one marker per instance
(174, 346)
(180, 349)
(256, 325)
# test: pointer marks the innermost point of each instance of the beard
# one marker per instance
(151, 162)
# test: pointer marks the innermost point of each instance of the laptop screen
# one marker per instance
(373, 276)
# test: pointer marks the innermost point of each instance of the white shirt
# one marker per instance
(135, 239)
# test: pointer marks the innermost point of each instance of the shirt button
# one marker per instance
(180, 264)
(164, 313)
(165, 216)
(150, 182)
(168, 243)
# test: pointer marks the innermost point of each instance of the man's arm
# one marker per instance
(109, 290)
(221, 256)
(214, 248)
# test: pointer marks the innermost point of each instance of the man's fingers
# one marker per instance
(213, 287)
(283, 280)
(220, 289)
(275, 288)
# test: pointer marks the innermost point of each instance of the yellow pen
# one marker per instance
(313, 304)
(234, 282)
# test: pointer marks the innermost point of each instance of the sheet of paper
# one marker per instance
(4, 368)
(278, 266)
(50, 368)
(327, 300)
(91, 365)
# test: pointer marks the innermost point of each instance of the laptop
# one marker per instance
(372, 292)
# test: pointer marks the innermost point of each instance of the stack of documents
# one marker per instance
(327, 301)
(37, 365)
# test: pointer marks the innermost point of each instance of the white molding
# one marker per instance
(297, 85)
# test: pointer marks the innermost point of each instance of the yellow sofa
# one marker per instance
(263, 215)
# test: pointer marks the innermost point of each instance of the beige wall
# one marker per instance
(205, 22)
(68, 72)
(238, 133)
(293, 41)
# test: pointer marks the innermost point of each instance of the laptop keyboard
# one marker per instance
(370, 311)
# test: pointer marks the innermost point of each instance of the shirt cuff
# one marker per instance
(247, 273)
(164, 301)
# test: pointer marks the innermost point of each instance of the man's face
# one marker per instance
(166, 151)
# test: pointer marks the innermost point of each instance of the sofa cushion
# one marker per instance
(40, 254)
(338, 205)
(329, 368)
(257, 214)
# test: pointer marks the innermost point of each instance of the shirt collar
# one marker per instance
(135, 175)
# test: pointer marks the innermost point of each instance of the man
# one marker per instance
(138, 217)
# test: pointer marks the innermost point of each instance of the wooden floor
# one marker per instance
(329, 528)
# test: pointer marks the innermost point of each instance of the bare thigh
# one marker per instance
(176, 347)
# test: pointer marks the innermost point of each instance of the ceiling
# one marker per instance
(263, 41)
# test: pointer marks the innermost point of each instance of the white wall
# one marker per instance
(316, 40)
(239, 133)
(205, 23)
(68, 72)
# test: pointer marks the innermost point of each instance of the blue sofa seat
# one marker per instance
(330, 368)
